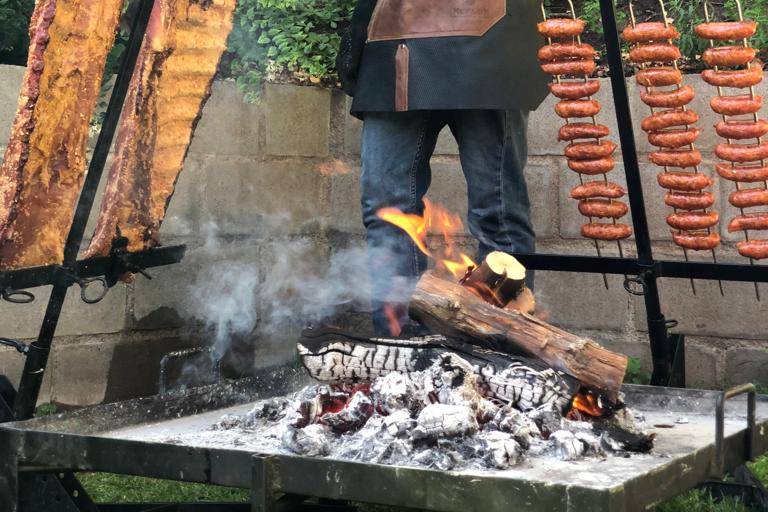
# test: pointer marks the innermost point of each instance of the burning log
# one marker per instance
(498, 280)
(454, 311)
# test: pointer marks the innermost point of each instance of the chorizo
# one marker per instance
(668, 119)
(742, 153)
(742, 174)
(670, 99)
(676, 158)
(574, 90)
(685, 181)
(689, 200)
(757, 220)
(574, 131)
(650, 31)
(689, 221)
(741, 130)
(589, 150)
(592, 167)
(674, 139)
(605, 231)
(570, 67)
(728, 56)
(592, 189)
(727, 30)
(659, 77)
(736, 78)
(561, 51)
(736, 105)
(654, 52)
(749, 197)
(604, 208)
(754, 249)
(561, 27)
(701, 241)
(577, 108)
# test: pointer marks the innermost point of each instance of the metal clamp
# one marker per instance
(751, 392)
(16, 296)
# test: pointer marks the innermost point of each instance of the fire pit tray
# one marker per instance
(160, 437)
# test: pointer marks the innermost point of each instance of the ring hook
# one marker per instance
(85, 284)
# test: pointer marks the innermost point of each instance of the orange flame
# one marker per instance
(394, 322)
(435, 220)
(587, 403)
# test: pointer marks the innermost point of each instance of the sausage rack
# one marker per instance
(38, 456)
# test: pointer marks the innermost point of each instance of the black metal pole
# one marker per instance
(37, 358)
(660, 344)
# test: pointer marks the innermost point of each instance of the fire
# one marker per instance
(437, 220)
(589, 404)
(392, 319)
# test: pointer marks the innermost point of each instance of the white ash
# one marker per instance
(445, 420)
(311, 441)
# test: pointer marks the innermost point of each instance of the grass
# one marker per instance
(109, 488)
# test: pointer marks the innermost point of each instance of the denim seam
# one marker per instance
(502, 160)
(414, 167)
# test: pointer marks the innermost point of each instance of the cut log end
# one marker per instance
(499, 280)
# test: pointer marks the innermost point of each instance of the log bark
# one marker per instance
(454, 311)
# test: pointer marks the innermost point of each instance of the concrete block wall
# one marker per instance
(273, 187)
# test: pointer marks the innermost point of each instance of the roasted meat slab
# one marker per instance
(170, 85)
(44, 164)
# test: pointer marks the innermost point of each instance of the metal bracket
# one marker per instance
(70, 278)
(718, 464)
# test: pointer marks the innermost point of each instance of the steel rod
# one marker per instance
(37, 360)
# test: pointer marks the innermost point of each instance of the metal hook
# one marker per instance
(630, 282)
(85, 284)
(16, 296)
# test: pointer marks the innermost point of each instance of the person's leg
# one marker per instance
(395, 157)
(493, 151)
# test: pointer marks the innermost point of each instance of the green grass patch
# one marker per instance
(109, 488)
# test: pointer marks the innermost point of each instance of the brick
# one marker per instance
(10, 84)
(229, 125)
(243, 196)
(745, 365)
(701, 361)
(580, 301)
(297, 120)
(345, 210)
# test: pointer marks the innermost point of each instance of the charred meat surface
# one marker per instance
(44, 164)
(170, 85)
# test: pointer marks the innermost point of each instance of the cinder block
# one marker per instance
(12, 366)
(229, 125)
(580, 301)
(543, 183)
(446, 143)
(449, 189)
(747, 365)
(297, 120)
(346, 213)
(10, 84)
(242, 196)
(701, 361)
(182, 217)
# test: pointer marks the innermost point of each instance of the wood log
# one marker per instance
(499, 279)
(454, 311)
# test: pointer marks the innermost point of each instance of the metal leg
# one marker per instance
(9, 473)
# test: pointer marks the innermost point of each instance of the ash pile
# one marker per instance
(437, 403)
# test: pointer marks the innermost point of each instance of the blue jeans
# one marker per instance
(396, 150)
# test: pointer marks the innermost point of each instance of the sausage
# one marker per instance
(589, 150)
(574, 90)
(676, 158)
(605, 231)
(654, 52)
(749, 197)
(685, 181)
(668, 119)
(603, 208)
(737, 78)
(561, 27)
(696, 241)
(728, 56)
(757, 220)
(573, 131)
(736, 105)
(577, 108)
(650, 31)
(742, 174)
(688, 221)
(727, 30)
(742, 152)
(570, 67)
(740, 130)
(659, 77)
(592, 167)
(689, 200)
(670, 99)
(755, 249)
(674, 138)
(592, 189)
(561, 51)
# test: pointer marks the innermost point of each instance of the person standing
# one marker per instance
(414, 67)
